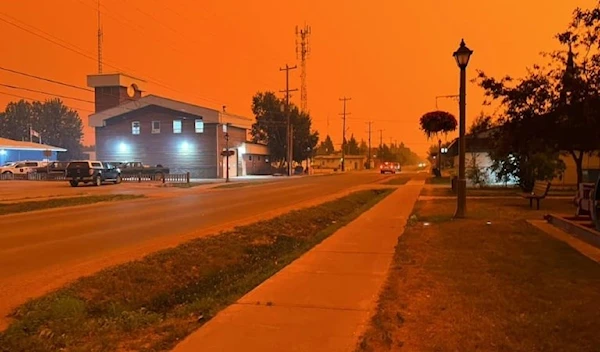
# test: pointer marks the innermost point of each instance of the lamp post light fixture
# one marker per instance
(226, 131)
(462, 56)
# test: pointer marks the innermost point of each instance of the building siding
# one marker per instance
(187, 151)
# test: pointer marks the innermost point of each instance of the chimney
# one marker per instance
(114, 89)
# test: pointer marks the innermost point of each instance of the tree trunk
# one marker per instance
(578, 164)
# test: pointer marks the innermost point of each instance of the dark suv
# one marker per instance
(95, 172)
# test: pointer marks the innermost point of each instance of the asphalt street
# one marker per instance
(42, 250)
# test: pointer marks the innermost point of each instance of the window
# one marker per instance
(155, 126)
(176, 126)
(250, 157)
(135, 127)
(97, 165)
(199, 126)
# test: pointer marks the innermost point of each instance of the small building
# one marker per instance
(11, 150)
(334, 162)
(182, 136)
(479, 147)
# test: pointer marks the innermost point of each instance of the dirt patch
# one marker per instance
(491, 282)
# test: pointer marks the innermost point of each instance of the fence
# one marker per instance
(166, 178)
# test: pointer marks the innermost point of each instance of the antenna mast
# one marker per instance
(302, 53)
(100, 37)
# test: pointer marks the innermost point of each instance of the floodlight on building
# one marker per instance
(185, 146)
(2, 152)
(123, 147)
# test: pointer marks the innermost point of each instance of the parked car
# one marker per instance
(95, 172)
(21, 167)
(135, 168)
(391, 167)
(55, 167)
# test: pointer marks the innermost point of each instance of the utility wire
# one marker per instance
(43, 92)
(32, 99)
(45, 79)
(82, 53)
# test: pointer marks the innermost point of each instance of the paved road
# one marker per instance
(42, 250)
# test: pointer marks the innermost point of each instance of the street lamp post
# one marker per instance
(225, 129)
(462, 56)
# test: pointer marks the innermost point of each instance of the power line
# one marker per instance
(45, 79)
(43, 92)
(84, 54)
(32, 99)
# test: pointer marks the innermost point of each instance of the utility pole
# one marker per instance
(369, 150)
(381, 146)
(100, 38)
(344, 114)
(287, 113)
(226, 130)
(302, 52)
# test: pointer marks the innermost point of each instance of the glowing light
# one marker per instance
(185, 146)
(2, 152)
(123, 147)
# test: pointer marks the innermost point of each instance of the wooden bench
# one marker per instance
(540, 191)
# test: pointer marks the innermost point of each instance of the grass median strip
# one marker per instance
(239, 184)
(21, 207)
(152, 303)
(398, 181)
(474, 285)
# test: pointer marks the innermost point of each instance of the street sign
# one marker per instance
(225, 153)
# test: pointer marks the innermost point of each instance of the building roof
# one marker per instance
(6, 143)
(207, 114)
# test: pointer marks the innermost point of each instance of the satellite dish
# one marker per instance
(131, 91)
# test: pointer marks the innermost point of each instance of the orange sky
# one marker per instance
(392, 57)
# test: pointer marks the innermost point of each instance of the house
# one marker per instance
(11, 150)
(160, 131)
(334, 162)
(477, 155)
(479, 146)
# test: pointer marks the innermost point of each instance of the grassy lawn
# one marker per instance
(152, 303)
(444, 180)
(490, 192)
(396, 181)
(464, 285)
(21, 207)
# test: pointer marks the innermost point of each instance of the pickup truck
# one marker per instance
(95, 172)
(135, 168)
(55, 167)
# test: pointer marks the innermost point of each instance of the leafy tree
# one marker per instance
(363, 148)
(57, 124)
(326, 147)
(352, 146)
(481, 124)
(271, 128)
(435, 122)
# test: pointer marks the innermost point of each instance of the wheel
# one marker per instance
(381, 172)
(98, 181)
(73, 183)
(7, 173)
(118, 180)
(158, 176)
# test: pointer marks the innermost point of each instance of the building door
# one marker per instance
(232, 165)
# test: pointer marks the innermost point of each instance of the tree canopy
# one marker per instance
(270, 128)
(57, 124)
(352, 146)
(326, 147)
(554, 108)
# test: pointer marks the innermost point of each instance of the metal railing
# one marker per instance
(164, 178)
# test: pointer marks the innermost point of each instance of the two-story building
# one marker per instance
(160, 131)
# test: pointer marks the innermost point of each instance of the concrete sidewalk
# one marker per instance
(322, 301)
